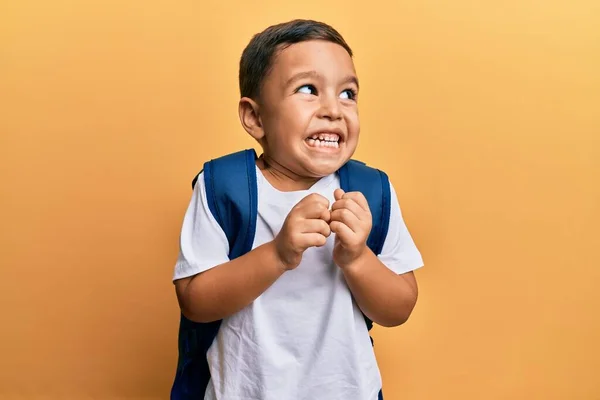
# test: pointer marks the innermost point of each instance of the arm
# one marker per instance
(225, 289)
(209, 293)
(384, 287)
(384, 296)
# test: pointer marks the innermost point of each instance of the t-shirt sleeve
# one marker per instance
(399, 253)
(202, 243)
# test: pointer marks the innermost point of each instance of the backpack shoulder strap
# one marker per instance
(232, 195)
(356, 176)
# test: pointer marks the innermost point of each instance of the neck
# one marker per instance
(282, 178)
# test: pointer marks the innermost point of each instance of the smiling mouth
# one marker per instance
(324, 140)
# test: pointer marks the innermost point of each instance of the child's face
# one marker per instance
(308, 109)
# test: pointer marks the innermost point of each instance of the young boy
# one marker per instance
(292, 308)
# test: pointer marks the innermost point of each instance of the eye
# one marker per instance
(307, 89)
(348, 94)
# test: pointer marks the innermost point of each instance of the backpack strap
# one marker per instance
(232, 195)
(356, 176)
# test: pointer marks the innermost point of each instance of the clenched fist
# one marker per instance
(351, 221)
(307, 225)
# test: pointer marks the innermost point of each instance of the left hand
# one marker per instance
(351, 221)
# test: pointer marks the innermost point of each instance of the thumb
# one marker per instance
(337, 194)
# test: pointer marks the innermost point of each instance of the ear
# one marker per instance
(248, 110)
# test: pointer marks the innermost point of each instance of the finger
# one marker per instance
(313, 207)
(359, 198)
(312, 240)
(326, 215)
(346, 217)
(316, 226)
(314, 198)
(342, 231)
(349, 204)
(337, 194)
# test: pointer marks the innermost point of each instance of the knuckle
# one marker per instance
(294, 211)
(316, 197)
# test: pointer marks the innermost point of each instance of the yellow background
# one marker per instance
(486, 115)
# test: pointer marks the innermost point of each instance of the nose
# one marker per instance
(330, 107)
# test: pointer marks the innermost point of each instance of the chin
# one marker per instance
(318, 163)
(324, 168)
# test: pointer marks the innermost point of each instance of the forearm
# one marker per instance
(229, 287)
(384, 296)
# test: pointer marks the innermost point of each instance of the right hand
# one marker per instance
(307, 225)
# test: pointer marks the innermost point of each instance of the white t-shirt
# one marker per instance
(304, 338)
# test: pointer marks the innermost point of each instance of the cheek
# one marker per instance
(298, 115)
(352, 121)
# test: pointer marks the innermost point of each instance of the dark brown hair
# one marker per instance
(258, 55)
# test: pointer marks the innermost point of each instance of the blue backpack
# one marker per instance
(232, 195)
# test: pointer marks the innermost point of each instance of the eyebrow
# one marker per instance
(315, 74)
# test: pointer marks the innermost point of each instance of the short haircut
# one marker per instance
(257, 58)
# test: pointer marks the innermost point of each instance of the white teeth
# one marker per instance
(326, 140)
(322, 143)
(326, 137)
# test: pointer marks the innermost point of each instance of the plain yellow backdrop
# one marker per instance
(486, 115)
